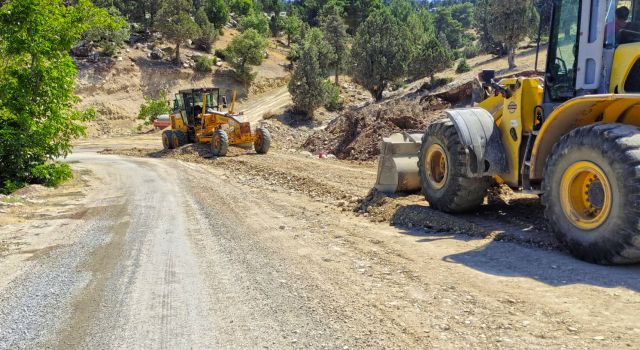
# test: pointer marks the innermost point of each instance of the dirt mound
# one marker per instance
(356, 134)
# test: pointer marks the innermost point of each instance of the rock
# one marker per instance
(331, 156)
(306, 154)
(82, 49)
(156, 54)
(283, 227)
(341, 204)
(599, 337)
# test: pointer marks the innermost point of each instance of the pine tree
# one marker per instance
(380, 53)
(335, 33)
(245, 50)
(175, 23)
(307, 89)
(511, 22)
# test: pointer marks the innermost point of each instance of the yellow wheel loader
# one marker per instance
(572, 137)
(198, 117)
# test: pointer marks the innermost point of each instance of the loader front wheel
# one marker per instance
(442, 164)
(592, 193)
(219, 143)
(167, 139)
(262, 142)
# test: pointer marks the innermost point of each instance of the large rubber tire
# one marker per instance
(457, 193)
(219, 143)
(179, 139)
(263, 141)
(167, 139)
(615, 149)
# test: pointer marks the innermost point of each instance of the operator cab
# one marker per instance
(584, 38)
(193, 103)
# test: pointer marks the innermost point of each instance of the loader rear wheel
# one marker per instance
(219, 143)
(592, 193)
(263, 141)
(442, 164)
(167, 139)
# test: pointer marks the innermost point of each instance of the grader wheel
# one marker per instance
(167, 139)
(219, 143)
(263, 141)
(179, 139)
(592, 193)
(442, 163)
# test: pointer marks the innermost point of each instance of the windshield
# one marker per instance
(562, 58)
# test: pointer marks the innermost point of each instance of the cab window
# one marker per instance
(561, 79)
(623, 22)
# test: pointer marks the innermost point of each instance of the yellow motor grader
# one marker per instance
(198, 117)
(572, 137)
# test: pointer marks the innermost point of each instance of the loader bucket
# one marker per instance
(398, 164)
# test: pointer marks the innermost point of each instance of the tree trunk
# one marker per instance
(377, 92)
(432, 78)
(337, 77)
(177, 58)
(288, 40)
(511, 56)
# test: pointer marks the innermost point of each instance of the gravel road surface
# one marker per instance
(167, 254)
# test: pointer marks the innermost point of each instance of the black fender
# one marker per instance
(481, 139)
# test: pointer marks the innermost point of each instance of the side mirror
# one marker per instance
(224, 101)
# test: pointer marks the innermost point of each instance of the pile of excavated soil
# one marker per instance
(356, 134)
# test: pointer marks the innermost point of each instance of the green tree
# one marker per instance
(335, 34)
(292, 27)
(451, 28)
(464, 13)
(242, 7)
(244, 51)
(152, 108)
(208, 32)
(276, 24)
(432, 56)
(38, 117)
(256, 21)
(509, 23)
(217, 11)
(175, 23)
(306, 85)
(359, 10)
(110, 35)
(380, 53)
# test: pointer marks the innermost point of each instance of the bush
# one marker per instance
(10, 186)
(471, 51)
(52, 174)
(204, 64)
(333, 102)
(152, 108)
(463, 66)
(255, 21)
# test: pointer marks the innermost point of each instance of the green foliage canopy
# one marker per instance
(38, 118)
(245, 50)
(381, 52)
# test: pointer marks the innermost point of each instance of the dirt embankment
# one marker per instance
(117, 87)
(356, 134)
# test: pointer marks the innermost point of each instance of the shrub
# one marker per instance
(152, 108)
(463, 66)
(204, 64)
(10, 186)
(52, 174)
(471, 51)
(333, 102)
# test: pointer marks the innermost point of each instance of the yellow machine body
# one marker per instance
(239, 132)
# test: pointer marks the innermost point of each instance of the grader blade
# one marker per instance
(398, 163)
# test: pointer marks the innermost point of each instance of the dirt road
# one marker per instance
(163, 253)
